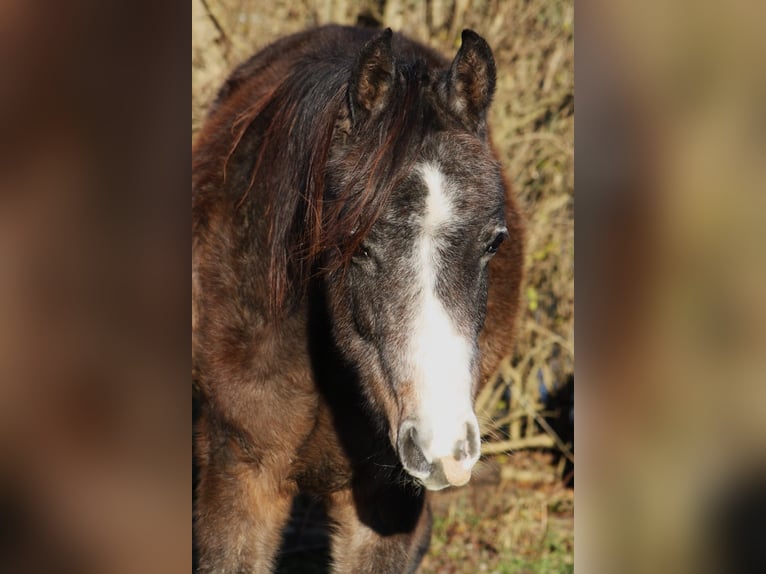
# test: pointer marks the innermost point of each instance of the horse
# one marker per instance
(349, 292)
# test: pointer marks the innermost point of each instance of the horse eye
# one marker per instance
(362, 252)
(495, 245)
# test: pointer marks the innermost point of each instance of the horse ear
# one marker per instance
(372, 78)
(470, 82)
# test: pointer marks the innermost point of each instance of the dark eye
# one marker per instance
(362, 252)
(496, 242)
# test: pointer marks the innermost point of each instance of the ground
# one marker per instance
(505, 525)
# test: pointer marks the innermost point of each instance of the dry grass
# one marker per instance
(533, 131)
(510, 526)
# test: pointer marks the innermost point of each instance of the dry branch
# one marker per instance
(537, 441)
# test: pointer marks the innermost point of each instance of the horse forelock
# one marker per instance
(286, 137)
(382, 157)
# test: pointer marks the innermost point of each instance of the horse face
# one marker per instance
(408, 309)
(410, 306)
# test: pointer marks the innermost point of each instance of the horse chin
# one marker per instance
(434, 486)
(437, 480)
(442, 474)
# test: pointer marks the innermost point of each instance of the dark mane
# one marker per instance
(281, 146)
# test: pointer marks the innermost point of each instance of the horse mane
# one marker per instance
(296, 129)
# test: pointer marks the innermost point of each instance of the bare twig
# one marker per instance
(216, 23)
(537, 441)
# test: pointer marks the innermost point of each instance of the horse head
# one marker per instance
(408, 295)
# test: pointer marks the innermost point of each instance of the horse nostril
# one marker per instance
(473, 440)
(469, 446)
(410, 452)
(461, 450)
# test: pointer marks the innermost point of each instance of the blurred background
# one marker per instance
(671, 143)
(94, 287)
(517, 515)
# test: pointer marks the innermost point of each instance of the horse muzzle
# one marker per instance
(436, 465)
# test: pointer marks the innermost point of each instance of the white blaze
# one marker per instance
(439, 356)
